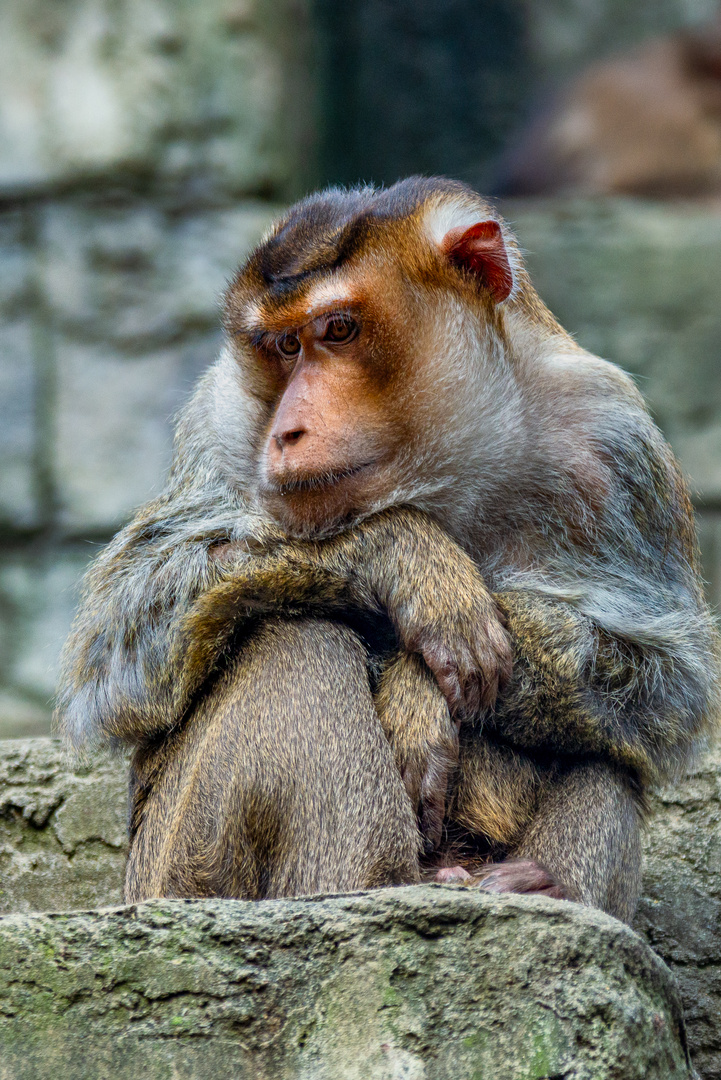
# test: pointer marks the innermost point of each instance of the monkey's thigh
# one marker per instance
(586, 831)
(280, 783)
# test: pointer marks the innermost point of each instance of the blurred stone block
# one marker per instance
(113, 430)
(212, 96)
(22, 717)
(640, 284)
(38, 594)
(137, 276)
(18, 495)
(564, 35)
(709, 533)
(18, 503)
(134, 296)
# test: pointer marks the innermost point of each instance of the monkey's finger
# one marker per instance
(430, 820)
(500, 641)
(431, 824)
(489, 689)
(447, 674)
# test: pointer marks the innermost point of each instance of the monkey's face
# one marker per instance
(348, 325)
(335, 430)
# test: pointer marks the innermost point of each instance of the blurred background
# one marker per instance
(146, 144)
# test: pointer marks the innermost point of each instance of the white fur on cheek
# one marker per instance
(237, 419)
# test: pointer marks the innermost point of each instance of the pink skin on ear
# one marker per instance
(481, 250)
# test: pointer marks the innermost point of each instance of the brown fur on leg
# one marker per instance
(497, 789)
(424, 738)
(280, 783)
(586, 833)
(569, 831)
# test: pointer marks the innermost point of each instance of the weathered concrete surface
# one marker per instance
(680, 912)
(420, 982)
(62, 846)
(62, 830)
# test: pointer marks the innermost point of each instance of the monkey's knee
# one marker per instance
(587, 833)
(346, 821)
(281, 782)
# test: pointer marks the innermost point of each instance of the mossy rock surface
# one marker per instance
(63, 828)
(63, 844)
(416, 983)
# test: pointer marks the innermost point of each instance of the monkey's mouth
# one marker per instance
(301, 483)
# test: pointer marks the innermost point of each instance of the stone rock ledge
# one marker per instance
(63, 844)
(416, 983)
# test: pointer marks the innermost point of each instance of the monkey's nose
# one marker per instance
(288, 438)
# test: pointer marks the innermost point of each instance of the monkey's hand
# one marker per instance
(466, 647)
(415, 718)
(439, 604)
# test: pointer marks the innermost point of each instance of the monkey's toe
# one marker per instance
(522, 876)
(448, 874)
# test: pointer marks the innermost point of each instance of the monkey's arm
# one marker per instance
(402, 563)
(160, 608)
(577, 689)
(399, 562)
(615, 652)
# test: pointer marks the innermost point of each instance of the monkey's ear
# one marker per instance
(480, 249)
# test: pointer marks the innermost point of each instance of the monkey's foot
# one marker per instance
(452, 873)
(521, 876)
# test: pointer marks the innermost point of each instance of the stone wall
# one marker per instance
(144, 146)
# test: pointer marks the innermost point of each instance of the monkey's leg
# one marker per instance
(583, 843)
(280, 783)
(415, 717)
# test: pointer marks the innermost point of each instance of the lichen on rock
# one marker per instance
(421, 982)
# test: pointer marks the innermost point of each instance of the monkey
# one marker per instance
(424, 574)
(647, 122)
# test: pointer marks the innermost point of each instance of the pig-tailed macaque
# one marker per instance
(422, 589)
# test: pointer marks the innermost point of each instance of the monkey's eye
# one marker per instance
(288, 346)
(340, 329)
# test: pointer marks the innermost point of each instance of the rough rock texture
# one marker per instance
(62, 846)
(423, 983)
(680, 912)
(63, 834)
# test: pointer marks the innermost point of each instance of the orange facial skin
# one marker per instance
(335, 336)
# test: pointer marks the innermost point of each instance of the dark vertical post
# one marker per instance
(431, 86)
